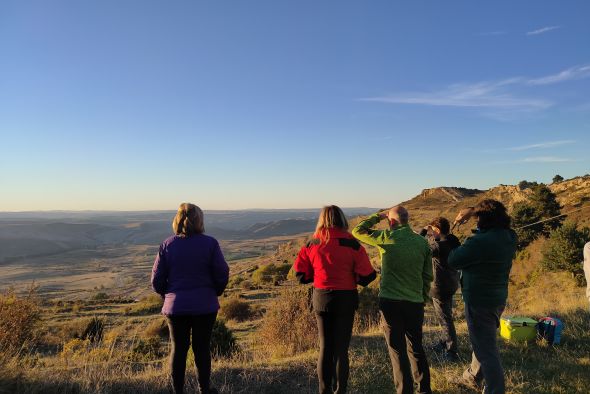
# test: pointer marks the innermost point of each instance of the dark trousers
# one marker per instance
(443, 309)
(483, 323)
(181, 327)
(335, 330)
(402, 325)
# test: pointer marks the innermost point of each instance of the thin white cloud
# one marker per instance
(482, 95)
(542, 30)
(542, 145)
(545, 159)
(493, 96)
(577, 72)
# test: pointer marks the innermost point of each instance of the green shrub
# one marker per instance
(223, 341)
(146, 350)
(524, 214)
(544, 201)
(236, 309)
(101, 296)
(19, 319)
(564, 249)
(235, 281)
(289, 326)
(270, 273)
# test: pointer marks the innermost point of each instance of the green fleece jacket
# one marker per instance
(485, 260)
(406, 265)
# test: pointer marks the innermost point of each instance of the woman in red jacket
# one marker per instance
(335, 262)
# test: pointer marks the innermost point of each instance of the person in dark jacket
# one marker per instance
(335, 262)
(445, 283)
(485, 260)
(190, 272)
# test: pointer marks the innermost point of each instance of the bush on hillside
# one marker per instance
(145, 350)
(524, 184)
(86, 328)
(541, 205)
(557, 178)
(246, 285)
(367, 315)
(19, 320)
(157, 328)
(544, 201)
(270, 273)
(564, 249)
(524, 214)
(146, 306)
(235, 281)
(289, 326)
(223, 341)
(100, 296)
(236, 309)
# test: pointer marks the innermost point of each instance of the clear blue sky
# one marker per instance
(275, 104)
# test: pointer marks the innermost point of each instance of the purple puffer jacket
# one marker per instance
(190, 273)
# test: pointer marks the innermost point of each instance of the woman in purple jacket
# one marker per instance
(190, 273)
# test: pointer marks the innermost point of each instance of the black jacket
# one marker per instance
(446, 279)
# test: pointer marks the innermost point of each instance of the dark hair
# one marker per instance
(491, 214)
(442, 224)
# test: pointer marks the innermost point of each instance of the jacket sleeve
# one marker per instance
(465, 255)
(220, 269)
(364, 232)
(302, 267)
(160, 272)
(365, 273)
(427, 275)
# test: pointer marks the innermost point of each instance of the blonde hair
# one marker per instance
(331, 216)
(188, 220)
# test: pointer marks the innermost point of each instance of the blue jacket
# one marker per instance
(190, 273)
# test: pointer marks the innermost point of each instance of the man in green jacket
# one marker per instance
(485, 260)
(406, 273)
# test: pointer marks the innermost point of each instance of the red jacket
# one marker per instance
(339, 264)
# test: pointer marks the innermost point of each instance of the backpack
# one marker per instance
(549, 329)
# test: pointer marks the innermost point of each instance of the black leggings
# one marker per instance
(180, 333)
(335, 330)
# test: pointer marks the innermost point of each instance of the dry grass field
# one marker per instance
(131, 355)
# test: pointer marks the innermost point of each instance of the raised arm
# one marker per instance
(220, 269)
(160, 272)
(364, 230)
